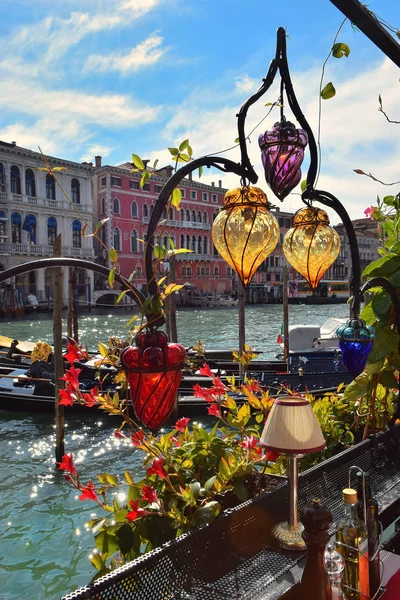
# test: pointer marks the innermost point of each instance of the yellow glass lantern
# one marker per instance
(311, 245)
(245, 232)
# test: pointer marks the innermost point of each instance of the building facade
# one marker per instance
(366, 232)
(128, 207)
(34, 210)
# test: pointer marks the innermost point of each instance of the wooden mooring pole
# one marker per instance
(58, 349)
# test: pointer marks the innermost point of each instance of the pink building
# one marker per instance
(118, 196)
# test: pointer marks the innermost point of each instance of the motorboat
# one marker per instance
(312, 338)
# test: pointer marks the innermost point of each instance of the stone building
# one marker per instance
(34, 210)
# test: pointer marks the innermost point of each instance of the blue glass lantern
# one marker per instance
(355, 341)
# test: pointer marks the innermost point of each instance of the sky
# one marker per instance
(116, 77)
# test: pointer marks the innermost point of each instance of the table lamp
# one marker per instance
(292, 429)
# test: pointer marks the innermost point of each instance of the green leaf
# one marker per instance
(356, 389)
(171, 288)
(125, 537)
(210, 482)
(103, 349)
(236, 141)
(388, 379)
(159, 251)
(348, 438)
(195, 487)
(328, 91)
(381, 302)
(190, 151)
(106, 543)
(122, 294)
(111, 277)
(145, 176)
(107, 478)
(224, 469)
(303, 185)
(383, 267)
(155, 163)
(173, 151)
(137, 161)
(183, 145)
(101, 223)
(200, 171)
(385, 342)
(179, 251)
(241, 490)
(183, 158)
(97, 561)
(113, 254)
(339, 50)
(128, 478)
(206, 514)
(176, 198)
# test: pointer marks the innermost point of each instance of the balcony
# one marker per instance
(194, 256)
(63, 203)
(38, 250)
(182, 224)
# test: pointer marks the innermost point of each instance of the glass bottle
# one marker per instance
(367, 508)
(334, 564)
(350, 533)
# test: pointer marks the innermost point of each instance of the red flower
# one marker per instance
(149, 494)
(181, 425)
(271, 455)
(67, 464)
(205, 370)
(74, 352)
(119, 434)
(72, 377)
(214, 410)
(136, 511)
(91, 398)
(250, 442)
(67, 396)
(88, 492)
(137, 438)
(176, 441)
(157, 468)
(369, 212)
(208, 394)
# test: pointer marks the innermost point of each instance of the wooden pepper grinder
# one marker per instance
(317, 519)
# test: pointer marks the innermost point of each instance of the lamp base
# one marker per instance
(288, 537)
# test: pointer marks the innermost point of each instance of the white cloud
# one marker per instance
(96, 150)
(245, 84)
(144, 54)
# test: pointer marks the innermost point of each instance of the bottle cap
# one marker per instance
(349, 496)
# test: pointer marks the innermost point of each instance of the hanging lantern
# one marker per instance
(153, 369)
(355, 341)
(245, 232)
(282, 155)
(311, 245)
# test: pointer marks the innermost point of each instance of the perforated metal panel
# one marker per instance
(234, 558)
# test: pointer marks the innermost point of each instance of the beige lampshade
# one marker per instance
(292, 427)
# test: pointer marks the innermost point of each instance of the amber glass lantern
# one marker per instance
(245, 232)
(311, 245)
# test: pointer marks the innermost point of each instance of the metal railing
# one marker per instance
(42, 250)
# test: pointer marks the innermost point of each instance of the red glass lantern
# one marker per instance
(153, 369)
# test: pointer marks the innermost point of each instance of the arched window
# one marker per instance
(164, 214)
(3, 220)
(171, 215)
(187, 214)
(184, 271)
(16, 223)
(215, 251)
(193, 247)
(182, 241)
(193, 216)
(117, 239)
(139, 270)
(29, 225)
(30, 186)
(188, 242)
(75, 191)
(165, 241)
(204, 217)
(50, 187)
(151, 209)
(134, 241)
(15, 180)
(216, 271)
(199, 216)
(116, 206)
(205, 245)
(2, 175)
(199, 245)
(182, 215)
(134, 212)
(76, 234)
(202, 271)
(51, 230)
(145, 210)
(103, 206)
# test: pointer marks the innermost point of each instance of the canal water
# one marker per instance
(44, 541)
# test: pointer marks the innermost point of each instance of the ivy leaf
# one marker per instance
(339, 50)
(183, 145)
(173, 151)
(176, 198)
(137, 161)
(328, 91)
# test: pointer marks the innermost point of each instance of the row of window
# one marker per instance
(30, 184)
(135, 185)
(189, 216)
(29, 225)
(197, 244)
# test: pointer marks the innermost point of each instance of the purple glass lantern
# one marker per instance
(282, 155)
